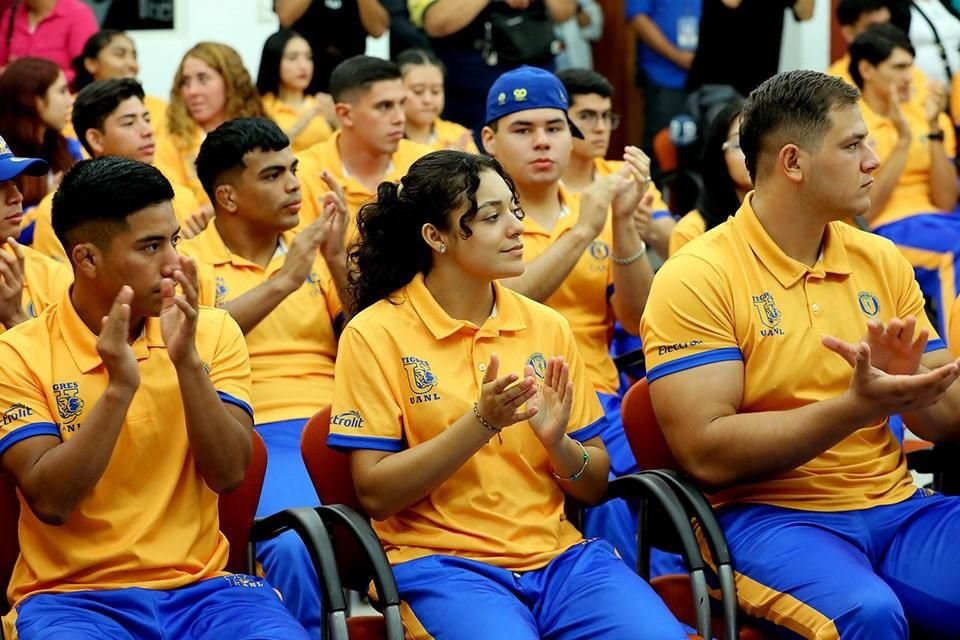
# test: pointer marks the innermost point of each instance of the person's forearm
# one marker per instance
(251, 308)
(374, 17)
(803, 9)
(340, 275)
(631, 282)
(658, 235)
(939, 422)
(220, 445)
(16, 317)
(561, 10)
(745, 446)
(567, 458)
(446, 17)
(651, 35)
(68, 472)
(289, 11)
(404, 478)
(943, 177)
(885, 180)
(544, 274)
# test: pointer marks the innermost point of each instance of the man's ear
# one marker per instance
(94, 138)
(344, 111)
(87, 258)
(226, 198)
(789, 162)
(488, 138)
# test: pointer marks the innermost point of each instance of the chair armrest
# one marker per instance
(648, 486)
(363, 534)
(312, 531)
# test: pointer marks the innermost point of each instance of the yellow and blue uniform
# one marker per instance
(37, 229)
(584, 300)
(138, 536)
(44, 282)
(316, 131)
(690, 226)
(292, 354)
(842, 545)
(177, 159)
(929, 237)
(326, 155)
(406, 372)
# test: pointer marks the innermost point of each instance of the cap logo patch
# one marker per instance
(519, 95)
(4, 149)
(502, 99)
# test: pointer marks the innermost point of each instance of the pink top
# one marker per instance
(58, 37)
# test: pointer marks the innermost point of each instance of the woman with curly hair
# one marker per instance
(34, 107)
(210, 87)
(469, 417)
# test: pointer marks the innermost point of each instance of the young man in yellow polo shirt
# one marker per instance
(128, 412)
(369, 147)
(110, 119)
(591, 111)
(582, 260)
(777, 345)
(914, 198)
(29, 281)
(283, 292)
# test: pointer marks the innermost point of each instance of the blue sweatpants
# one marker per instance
(585, 592)
(616, 521)
(285, 560)
(235, 607)
(853, 575)
(931, 242)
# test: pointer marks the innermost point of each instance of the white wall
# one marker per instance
(242, 24)
(806, 45)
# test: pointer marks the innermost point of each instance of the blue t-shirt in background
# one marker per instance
(679, 20)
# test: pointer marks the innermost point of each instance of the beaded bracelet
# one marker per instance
(630, 260)
(576, 476)
(481, 420)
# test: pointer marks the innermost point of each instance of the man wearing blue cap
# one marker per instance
(590, 266)
(29, 281)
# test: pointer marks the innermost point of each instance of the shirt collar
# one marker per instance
(441, 325)
(82, 342)
(833, 255)
(215, 251)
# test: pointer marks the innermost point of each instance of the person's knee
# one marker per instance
(872, 613)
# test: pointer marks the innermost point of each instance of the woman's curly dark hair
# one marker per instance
(390, 249)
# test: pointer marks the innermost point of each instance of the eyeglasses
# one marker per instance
(732, 144)
(590, 118)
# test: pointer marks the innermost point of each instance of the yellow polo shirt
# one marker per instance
(911, 196)
(44, 281)
(293, 349)
(407, 371)
(690, 226)
(918, 80)
(150, 521)
(326, 155)
(449, 135)
(46, 242)
(584, 296)
(734, 295)
(286, 116)
(179, 163)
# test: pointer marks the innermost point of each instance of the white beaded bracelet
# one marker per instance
(626, 261)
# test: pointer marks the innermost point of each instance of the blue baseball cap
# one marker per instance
(11, 166)
(526, 88)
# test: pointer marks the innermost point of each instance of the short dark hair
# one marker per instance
(791, 107)
(875, 45)
(268, 77)
(390, 250)
(97, 101)
(224, 148)
(849, 11)
(416, 57)
(97, 195)
(357, 74)
(580, 82)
